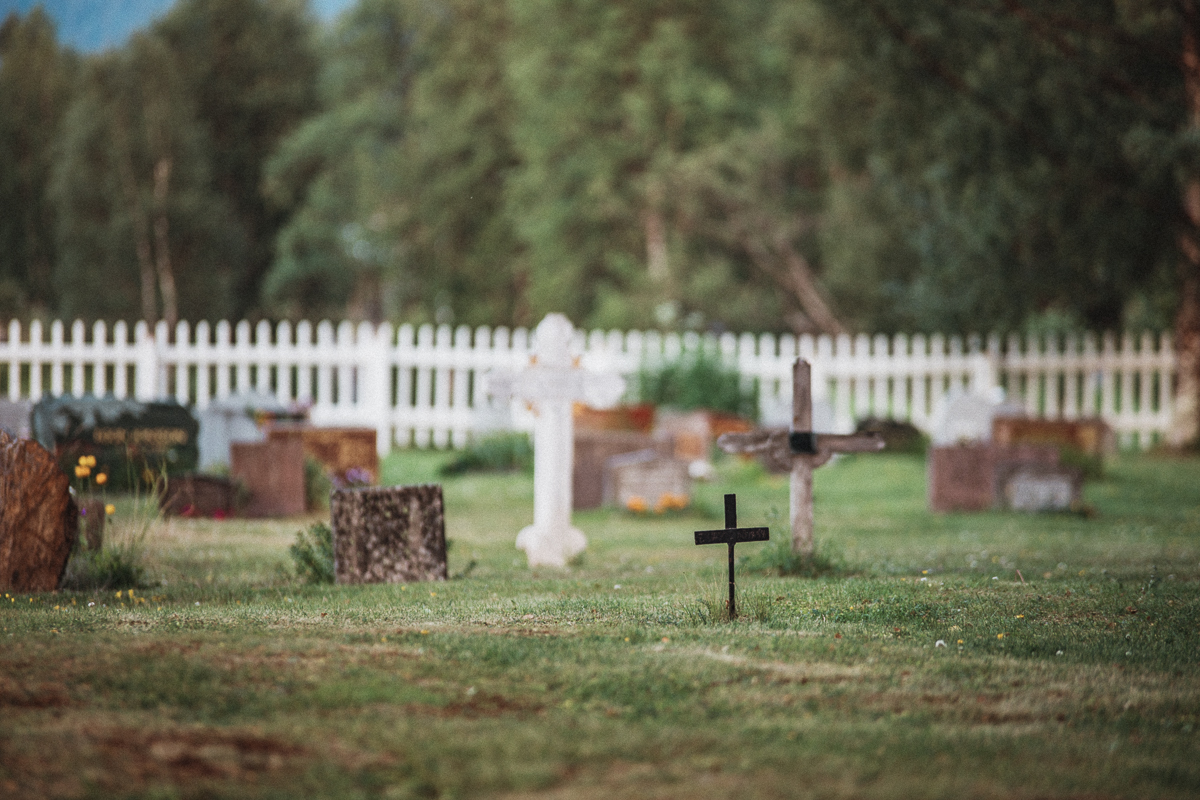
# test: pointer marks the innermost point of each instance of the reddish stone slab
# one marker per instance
(273, 474)
(40, 523)
(593, 449)
(1091, 437)
(199, 496)
(338, 449)
(971, 477)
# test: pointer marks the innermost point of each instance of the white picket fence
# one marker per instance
(421, 386)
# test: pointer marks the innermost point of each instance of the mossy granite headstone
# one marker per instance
(394, 534)
(40, 522)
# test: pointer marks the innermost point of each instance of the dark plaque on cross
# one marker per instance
(731, 534)
(803, 448)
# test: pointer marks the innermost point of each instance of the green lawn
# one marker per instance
(982, 655)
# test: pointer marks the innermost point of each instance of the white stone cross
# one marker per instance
(804, 449)
(552, 382)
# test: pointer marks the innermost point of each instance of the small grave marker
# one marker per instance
(392, 534)
(803, 449)
(731, 534)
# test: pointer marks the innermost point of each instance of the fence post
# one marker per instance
(373, 344)
(146, 387)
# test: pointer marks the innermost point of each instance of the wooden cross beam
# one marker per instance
(804, 449)
(731, 534)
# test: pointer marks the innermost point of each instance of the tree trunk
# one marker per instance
(162, 246)
(656, 246)
(1185, 427)
(137, 217)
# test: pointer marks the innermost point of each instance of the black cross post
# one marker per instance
(731, 534)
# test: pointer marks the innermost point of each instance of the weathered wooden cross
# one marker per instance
(805, 450)
(731, 534)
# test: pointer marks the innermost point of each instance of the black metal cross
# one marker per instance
(731, 534)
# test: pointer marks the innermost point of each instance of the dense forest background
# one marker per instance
(804, 165)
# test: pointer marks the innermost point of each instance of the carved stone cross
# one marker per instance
(803, 448)
(550, 384)
(731, 534)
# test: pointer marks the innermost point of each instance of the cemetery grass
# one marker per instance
(1078, 676)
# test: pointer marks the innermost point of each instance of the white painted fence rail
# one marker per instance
(421, 386)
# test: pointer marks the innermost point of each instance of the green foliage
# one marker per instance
(777, 558)
(505, 452)
(312, 554)
(113, 566)
(698, 378)
(317, 484)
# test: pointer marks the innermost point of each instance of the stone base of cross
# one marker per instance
(804, 449)
(552, 382)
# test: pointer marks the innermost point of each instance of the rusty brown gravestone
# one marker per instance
(40, 522)
(394, 534)
(273, 472)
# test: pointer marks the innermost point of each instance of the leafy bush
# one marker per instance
(506, 452)
(312, 554)
(698, 379)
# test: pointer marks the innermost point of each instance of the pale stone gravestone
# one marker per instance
(15, 416)
(393, 534)
(963, 416)
(273, 474)
(731, 535)
(40, 523)
(550, 384)
(593, 449)
(1043, 488)
(805, 449)
(240, 418)
(648, 478)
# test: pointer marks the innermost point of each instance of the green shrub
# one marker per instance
(312, 554)
(115, 566)
(317, 485)
(505, 452)
(698, 379)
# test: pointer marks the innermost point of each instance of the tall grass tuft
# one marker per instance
(118, 564)
(312, 553)
(778, 558)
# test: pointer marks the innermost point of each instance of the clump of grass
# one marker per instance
(117, 564)
(312, 554)
(114, 566)
(778, 558)
(508, 452)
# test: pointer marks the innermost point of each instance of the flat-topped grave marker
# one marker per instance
(730, 535)
(550, 385)
(388, 534)
(804, 448)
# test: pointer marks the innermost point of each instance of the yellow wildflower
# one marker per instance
(101, 479)
(636, 504)
(110, 509)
